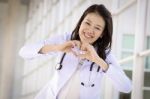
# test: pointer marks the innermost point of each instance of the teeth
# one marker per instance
(88, 36)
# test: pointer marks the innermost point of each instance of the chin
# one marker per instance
(87, 41)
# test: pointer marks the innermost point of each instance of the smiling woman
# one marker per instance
(86, 58)
(91, 28)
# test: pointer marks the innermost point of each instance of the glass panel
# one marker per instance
(127, 49)
(148, 58)
(148, 42)
(126, 54)
(129, 73)
(146, 94)
(147, 79)
(128, 41)
(129, 64)
(126, 95)
(148, 62)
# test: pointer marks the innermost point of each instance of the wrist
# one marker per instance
(48, 48)
(99, 61)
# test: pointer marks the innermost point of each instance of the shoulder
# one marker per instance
(110, 56)
(68, 35)
(108, 52)
(64, 36)
(58, 38)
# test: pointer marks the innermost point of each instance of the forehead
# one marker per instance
(95, 18)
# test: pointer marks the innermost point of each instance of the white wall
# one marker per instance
(12, 21)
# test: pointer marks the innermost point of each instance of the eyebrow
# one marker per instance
(96, 24)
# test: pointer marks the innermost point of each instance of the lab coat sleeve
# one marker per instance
(117, 75)
(30, 51)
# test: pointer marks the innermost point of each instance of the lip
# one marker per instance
(87, 35)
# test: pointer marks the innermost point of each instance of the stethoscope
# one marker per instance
(89, 84)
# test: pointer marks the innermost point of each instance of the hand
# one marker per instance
(89, 52)
(69, 45)
(65, 47)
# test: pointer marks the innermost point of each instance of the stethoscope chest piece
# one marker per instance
(58, 66)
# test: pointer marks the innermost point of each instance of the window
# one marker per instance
(127, 49)
(147, 66)
(146, 79)
(146, 94)
(147, 73)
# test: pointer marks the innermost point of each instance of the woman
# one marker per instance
(86, 58)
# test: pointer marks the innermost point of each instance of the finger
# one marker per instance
(71, 44)
(74, 53)
(82, 52)
(81, 56)
(77, 43)
(83, 47)
(88, 47)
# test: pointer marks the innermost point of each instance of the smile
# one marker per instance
(88, 36)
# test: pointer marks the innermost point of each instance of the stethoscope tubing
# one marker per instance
(59, 67)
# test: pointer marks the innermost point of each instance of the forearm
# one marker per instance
(119, 79)
(99, 61)
(49, 48)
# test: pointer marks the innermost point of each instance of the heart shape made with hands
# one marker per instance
(77, 50)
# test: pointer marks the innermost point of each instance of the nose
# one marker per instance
(91, 30)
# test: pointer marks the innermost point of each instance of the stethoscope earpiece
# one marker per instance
(91, 85)
(82, 83)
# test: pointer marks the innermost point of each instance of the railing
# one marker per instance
(141, 54)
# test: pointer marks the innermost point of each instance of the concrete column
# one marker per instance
(138, 68)
(3, 13)
(8, 48)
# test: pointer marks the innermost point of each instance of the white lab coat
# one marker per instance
(52, 89)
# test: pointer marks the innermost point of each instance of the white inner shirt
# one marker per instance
(71, 90)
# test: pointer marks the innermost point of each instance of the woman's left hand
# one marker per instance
(89, 52)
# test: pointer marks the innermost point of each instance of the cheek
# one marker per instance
(99, 34)
(96, 38)
(82, 27)
(80, 30)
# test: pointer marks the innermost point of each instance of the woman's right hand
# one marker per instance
(67, 46)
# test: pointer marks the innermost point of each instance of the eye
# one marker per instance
(87, 23)
(97, 28)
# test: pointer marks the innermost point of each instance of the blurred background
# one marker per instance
(28, 21)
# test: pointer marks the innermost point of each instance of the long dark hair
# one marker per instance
(102, 43)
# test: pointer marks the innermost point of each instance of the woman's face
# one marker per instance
(91, 28)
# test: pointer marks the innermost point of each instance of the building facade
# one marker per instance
(28, 22)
